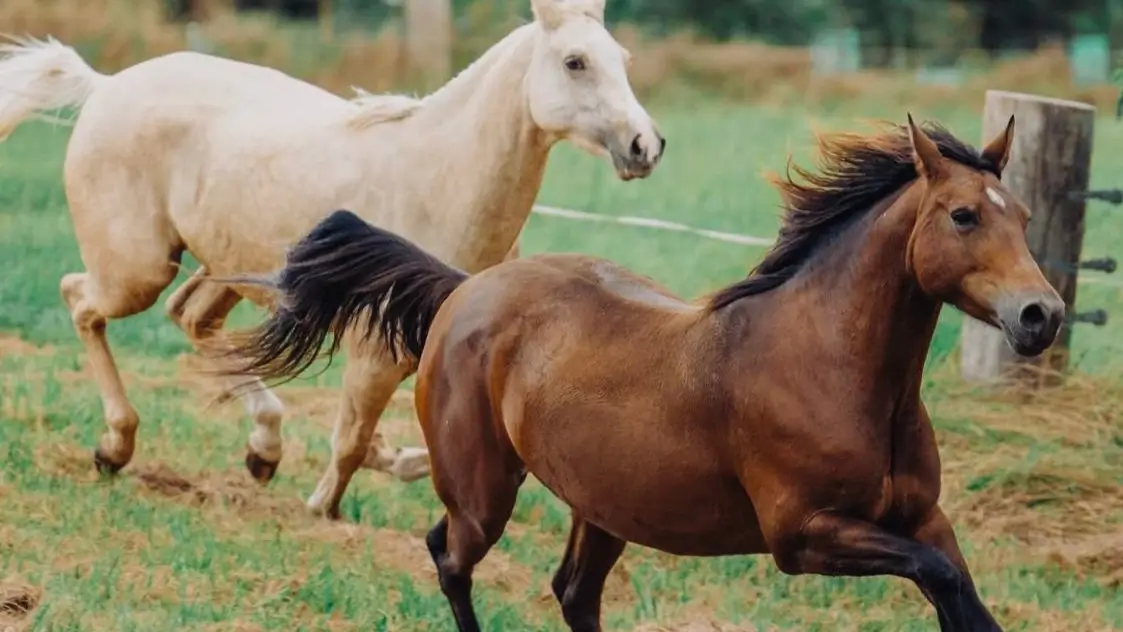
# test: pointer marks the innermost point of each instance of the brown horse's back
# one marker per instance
(547, 323)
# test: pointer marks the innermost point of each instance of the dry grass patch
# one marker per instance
(18, 601)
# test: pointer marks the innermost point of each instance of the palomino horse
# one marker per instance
(780, 415)
(234, 162)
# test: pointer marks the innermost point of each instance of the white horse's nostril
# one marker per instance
(636, 149)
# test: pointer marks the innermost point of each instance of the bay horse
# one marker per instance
(234, 162)
(781, 415)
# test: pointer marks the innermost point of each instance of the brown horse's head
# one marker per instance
(968, 246)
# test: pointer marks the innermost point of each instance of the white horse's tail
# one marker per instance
(37, 75)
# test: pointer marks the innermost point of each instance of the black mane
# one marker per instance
(855, 173)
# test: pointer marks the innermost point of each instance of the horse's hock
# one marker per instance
(1050, 159)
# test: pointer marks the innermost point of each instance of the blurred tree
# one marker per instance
(291, 9)
(891, 30)
(1027, 24)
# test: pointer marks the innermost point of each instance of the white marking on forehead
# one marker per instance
(996, 198)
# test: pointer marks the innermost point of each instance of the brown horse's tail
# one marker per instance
(346, 273)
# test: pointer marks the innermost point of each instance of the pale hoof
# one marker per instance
(318, 510)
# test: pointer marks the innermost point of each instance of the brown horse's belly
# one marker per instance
(680, 508)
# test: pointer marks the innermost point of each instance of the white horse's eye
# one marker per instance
(575, 63)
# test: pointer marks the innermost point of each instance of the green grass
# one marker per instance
(127, 554)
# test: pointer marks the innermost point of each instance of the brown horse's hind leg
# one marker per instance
(579, 582)
(200, 308)
(477, 476)
(92, 301)
(835, 545)
(461, 540)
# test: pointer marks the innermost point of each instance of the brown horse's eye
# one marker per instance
(574, 63)
(964, 218)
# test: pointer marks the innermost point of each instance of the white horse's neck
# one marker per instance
(486, 156)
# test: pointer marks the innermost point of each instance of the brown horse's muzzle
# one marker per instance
(1030, 320)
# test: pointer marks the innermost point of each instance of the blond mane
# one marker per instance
(374, 109)
(381, 108)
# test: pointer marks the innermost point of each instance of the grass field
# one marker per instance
(183, 540)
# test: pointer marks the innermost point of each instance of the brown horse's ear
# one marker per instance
(925, 153)
(998, 150)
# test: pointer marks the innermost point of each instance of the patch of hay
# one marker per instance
(1098, 557)
(1041, 505)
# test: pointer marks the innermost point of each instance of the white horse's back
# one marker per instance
(217, 84)
(182, 100)
(197, 145)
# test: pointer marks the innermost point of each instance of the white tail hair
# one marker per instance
(38, 75)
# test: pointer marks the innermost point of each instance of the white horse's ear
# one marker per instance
(599, 6)
(547, 13)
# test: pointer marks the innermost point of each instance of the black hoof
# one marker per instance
(105, 466)
(262, 470)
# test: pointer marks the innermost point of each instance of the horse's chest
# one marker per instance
(893, 500)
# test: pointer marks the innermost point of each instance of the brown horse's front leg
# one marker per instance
(936, 531)
(839, 546)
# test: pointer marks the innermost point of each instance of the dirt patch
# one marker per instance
(695, 626)
(228, 490)
(12, 346)
(18, 602)
(393, 549)
(408, 553)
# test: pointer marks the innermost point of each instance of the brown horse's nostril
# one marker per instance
(1033, 317)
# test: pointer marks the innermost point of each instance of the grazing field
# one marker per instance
(182, 539)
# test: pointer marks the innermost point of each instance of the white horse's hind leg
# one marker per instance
(408, 463)
(200, 308)
(93, 300)
(369, 381)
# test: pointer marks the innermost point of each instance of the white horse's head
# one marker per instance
(578, 88)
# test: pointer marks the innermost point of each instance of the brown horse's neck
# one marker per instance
(880, 312)
(861, 306)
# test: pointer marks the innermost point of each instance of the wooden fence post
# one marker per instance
(428, 26)
(1050, 159)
